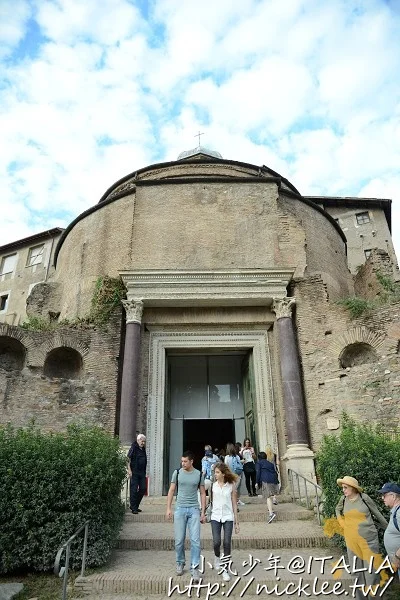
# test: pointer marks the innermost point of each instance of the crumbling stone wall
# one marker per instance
(369, 391)
(27, 392)
(366, 284)
(44, 301)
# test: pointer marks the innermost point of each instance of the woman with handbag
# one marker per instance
(354, 512)
(224, 514)
(249, 467)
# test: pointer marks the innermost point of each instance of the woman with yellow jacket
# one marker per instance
(354, 513)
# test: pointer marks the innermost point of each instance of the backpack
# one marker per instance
(395, 523)
(176, 484)
(237, 465)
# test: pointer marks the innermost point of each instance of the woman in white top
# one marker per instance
(224, 514)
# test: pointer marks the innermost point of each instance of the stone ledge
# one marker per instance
(244, 543)
(249, 517)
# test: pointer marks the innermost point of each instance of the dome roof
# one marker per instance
(199, 150)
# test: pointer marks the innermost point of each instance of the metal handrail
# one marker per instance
(318, 490)
(63, 571)
(126, 487)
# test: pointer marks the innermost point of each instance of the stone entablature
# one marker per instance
(219, 287)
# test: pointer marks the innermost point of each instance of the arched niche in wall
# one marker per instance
(357, 354)
(12, 354)
(63, 363)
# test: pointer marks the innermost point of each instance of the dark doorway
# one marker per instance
(199, 432)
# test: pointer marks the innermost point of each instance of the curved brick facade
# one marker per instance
(194, 224)
(225, 236)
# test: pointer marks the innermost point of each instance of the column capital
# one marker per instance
(282, 307)
(134, 310)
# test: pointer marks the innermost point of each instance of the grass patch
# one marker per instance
(356, 306)
(41, 586)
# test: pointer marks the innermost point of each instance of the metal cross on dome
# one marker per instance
(199, 135)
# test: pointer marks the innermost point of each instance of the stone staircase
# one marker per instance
(143, 563)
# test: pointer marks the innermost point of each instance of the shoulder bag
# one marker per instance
(210, 506)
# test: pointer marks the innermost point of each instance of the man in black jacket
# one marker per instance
(137, 472)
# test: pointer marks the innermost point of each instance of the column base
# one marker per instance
(300, 458)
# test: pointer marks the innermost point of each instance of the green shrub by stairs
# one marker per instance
(50, 483)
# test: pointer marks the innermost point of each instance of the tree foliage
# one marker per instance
(365, 452)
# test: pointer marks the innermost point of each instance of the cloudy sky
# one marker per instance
(94, 89)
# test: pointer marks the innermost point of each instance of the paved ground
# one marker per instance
(9, 590)
(162, 563)
(144, 566)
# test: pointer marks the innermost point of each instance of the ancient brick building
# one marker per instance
(231, 326)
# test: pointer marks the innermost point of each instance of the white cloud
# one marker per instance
(13, 18)
(269, 97)
(310, 90)
(106, 22)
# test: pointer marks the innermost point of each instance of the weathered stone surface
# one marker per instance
(44, 300)
(10, 590)
(55, 402)
(324, 330)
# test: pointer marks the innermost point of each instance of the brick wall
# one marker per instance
(366, 284)
(192, 225)
(368, 392)
(54, 402)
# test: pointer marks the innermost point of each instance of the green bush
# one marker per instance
(108, 294)
(361, 451)
(356, 306)
(50, 483)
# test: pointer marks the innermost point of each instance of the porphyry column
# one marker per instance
(299, 456)
(130, 372)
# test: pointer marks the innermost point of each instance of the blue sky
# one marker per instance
(93, 90)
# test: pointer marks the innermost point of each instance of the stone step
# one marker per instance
(251, 512)
(278, 534)
(142, 574)
(154, 500)
(139, 596)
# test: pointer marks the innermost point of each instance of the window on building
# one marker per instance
(367, 253)
(8, 264)
(3, 302)
(362, 218)
(35, 256)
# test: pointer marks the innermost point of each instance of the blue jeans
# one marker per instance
(187, 516)
(216, 527)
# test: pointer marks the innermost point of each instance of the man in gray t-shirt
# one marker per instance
(391, 497)
(187, 481)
